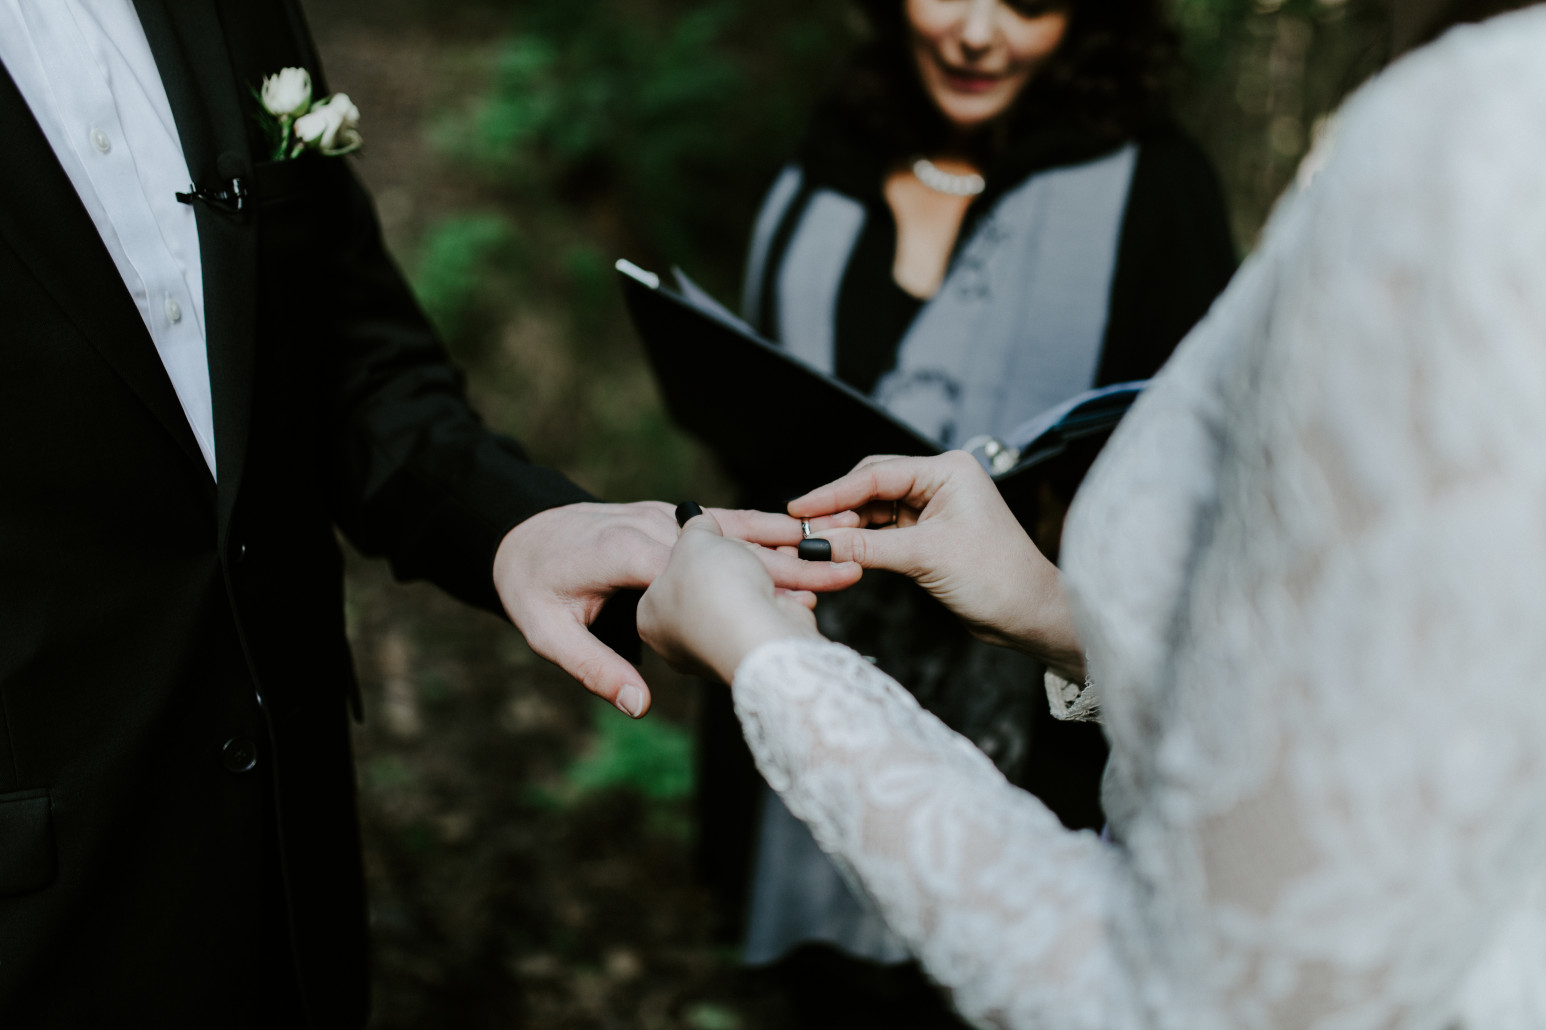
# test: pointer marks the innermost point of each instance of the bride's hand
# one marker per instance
(941, 522)
(715, 602)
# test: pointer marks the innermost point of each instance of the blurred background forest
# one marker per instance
(528, 849)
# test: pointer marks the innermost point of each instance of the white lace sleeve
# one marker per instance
(1005, 908)
(1331, 736)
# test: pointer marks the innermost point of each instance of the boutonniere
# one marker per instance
(296, 124)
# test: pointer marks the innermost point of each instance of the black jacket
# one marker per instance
(176, 788)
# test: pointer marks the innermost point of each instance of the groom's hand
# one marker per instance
(554, 572)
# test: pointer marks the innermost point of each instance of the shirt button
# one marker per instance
(174, 311)
(239, 755)
(100, 141)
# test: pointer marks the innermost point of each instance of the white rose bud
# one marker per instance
(331, 126)
(286, 94)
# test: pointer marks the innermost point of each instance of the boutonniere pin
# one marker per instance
(296, 124)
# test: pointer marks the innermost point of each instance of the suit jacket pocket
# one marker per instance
(298, 204)
(27, 860)
(277, 182)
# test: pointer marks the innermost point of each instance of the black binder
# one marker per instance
(782, 427)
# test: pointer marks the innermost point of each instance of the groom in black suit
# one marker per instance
(178, 842)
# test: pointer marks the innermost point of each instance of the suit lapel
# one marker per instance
(212, 110)
(48, 227)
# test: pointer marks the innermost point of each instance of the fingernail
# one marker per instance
(815, 549)
(687, 510)
(630, 701)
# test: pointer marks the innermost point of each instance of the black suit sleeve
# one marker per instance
(417, 477)
(410, 471)
(1176, 256)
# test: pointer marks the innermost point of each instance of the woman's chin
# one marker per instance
(968, 112)
(967, 118)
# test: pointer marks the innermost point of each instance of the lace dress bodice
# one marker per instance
(1309, 573)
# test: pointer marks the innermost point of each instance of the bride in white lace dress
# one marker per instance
(1308, 578)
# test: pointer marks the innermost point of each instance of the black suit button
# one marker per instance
(239, 755)
(239, 553)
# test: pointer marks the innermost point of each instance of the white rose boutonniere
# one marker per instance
(294, 124)
(331, 127)
(288, 94)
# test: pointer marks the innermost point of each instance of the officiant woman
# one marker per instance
(991, 211)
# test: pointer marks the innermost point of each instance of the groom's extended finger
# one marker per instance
(564, 640)
(704, 523)
(760, 527)
(837, 520)
(898, 551)
(772, 529)
(654, 519)
(789, 572)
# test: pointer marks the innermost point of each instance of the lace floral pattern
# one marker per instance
(1310, 574)
(1070, 701)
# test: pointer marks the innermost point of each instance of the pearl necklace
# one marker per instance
(941, 181)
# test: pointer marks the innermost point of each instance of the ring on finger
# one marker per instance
(805, 529)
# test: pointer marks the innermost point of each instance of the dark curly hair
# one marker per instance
(1109, 77)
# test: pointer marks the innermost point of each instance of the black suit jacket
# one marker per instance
(159, 633)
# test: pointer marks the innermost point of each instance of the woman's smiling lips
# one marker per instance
(963, 81)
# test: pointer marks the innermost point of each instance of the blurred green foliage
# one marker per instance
(611, 128)
(389, 772)
(649, 757)
(665, 114)
(1263, 74)
(450, 278)
(708, 1016)
(1212, 30)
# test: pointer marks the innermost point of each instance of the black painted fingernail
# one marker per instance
(687, 510)
(815, 549)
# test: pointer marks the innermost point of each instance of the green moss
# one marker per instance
(706, 1015)
(453, 271)
(650, 757)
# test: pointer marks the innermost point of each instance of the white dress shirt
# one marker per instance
(86, 70)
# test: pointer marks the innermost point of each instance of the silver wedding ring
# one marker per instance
(805, 529)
